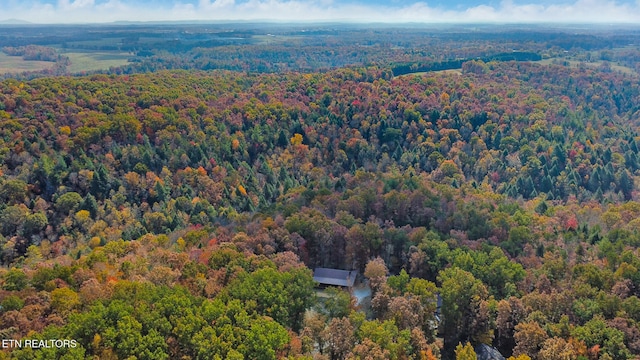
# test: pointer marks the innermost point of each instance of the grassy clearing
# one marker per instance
(420, 73)
(15, 64)
(95, 60)
(451, 71)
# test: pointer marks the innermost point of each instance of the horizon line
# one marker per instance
(19, 22)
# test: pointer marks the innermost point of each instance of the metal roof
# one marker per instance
(334, 277)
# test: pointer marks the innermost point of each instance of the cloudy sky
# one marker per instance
(429, 11)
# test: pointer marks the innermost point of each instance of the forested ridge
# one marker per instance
(313, 47)
(176, 214)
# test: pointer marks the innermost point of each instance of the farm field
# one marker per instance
(15, 64)
(95, 60)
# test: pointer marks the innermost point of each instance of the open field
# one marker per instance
(80, 61)
(15, 64)
(449, 71)
(98, 60)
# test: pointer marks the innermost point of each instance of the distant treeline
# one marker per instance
(457, 63)
(33, 52)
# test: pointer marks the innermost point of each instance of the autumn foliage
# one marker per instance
(177, 214)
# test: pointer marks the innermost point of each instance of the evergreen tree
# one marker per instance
(100, 182)
(625, 184)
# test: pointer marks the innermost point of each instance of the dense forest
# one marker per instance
(178, 214)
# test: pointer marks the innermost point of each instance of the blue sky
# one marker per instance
(428, 11)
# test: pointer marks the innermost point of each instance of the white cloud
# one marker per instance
(84, 11)
(216, 4)
(68, 5)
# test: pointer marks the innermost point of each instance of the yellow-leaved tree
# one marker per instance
(465, 352)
